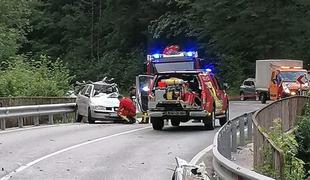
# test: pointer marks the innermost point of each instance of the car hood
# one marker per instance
(295, 86)
(105, 100)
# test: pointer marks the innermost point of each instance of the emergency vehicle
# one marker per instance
(276, 79)
(180, 91)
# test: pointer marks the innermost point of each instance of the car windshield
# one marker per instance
(291, 76)
(105, 88)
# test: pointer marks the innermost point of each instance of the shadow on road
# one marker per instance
(187, 128)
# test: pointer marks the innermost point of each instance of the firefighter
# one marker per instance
(127, 109)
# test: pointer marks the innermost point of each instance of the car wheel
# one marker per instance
(242, 98)
(157, 123)
(78, 117)
(226, 118)
(263, 98)
(90, 119)
(175, 122)
(209, 121)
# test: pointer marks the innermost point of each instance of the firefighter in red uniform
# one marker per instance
(127, 109)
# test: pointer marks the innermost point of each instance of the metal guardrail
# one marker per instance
(287, 110)
(33, 100)
(35, 111)
(234, 133)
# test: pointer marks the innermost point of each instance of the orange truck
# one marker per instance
(277, 78)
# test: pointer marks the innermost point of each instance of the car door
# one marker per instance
(88, 96)
(252, 88)
(83, 100)
(80, 99)
(143, 83)
(248, 88)
(217, 93)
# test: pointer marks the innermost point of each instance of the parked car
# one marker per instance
(247, 89)
(98, 101)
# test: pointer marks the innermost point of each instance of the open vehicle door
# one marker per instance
(142, 91)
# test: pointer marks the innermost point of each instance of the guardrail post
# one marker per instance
(233, 136)
(20, 122)
(227, 141)
(241, 129)
(36, 121)
(2, 124)
(249, 123)
(64, 118)
(51, 119)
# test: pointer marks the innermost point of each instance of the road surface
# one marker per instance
(104, 151)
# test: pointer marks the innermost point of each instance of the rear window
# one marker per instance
(249, 83)
(191, 79)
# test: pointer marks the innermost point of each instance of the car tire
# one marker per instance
(78, 117)
(89, 118)
(175, 122)
(157, 123)
(209, 121)
(226, 118)
(242, 98)
(263, 98)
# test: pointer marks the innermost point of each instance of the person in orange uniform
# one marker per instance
(127, 109)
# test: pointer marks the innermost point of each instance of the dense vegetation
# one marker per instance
(303, 139)
(293, 165)
(97, 38)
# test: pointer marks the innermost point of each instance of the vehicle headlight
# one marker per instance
(287, 91)
(99, 108)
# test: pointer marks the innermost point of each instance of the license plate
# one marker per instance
(176, 113)
(113, 115)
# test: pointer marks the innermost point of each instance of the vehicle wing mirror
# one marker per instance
(225, 86)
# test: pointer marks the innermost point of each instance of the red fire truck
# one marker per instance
(177, 89)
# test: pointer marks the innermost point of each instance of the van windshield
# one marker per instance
(291, 76)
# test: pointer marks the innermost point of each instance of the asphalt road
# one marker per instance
(104, 151)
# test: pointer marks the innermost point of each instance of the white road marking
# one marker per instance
(21, 168)
(200, 154)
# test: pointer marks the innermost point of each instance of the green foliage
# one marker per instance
(8, 45)
(293, 166)
(44, 78)
(253, 30)
(303, 138)
(14, 24)
(267, 167)
(89, 35)
(231, 65)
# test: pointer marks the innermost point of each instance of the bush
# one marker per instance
(293, 166)
(303, 138)
(38, 78)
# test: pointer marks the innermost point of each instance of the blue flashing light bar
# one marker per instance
(156, 56)
(188, 54)
(208, 70)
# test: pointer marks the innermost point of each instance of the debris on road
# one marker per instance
(187, 171)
